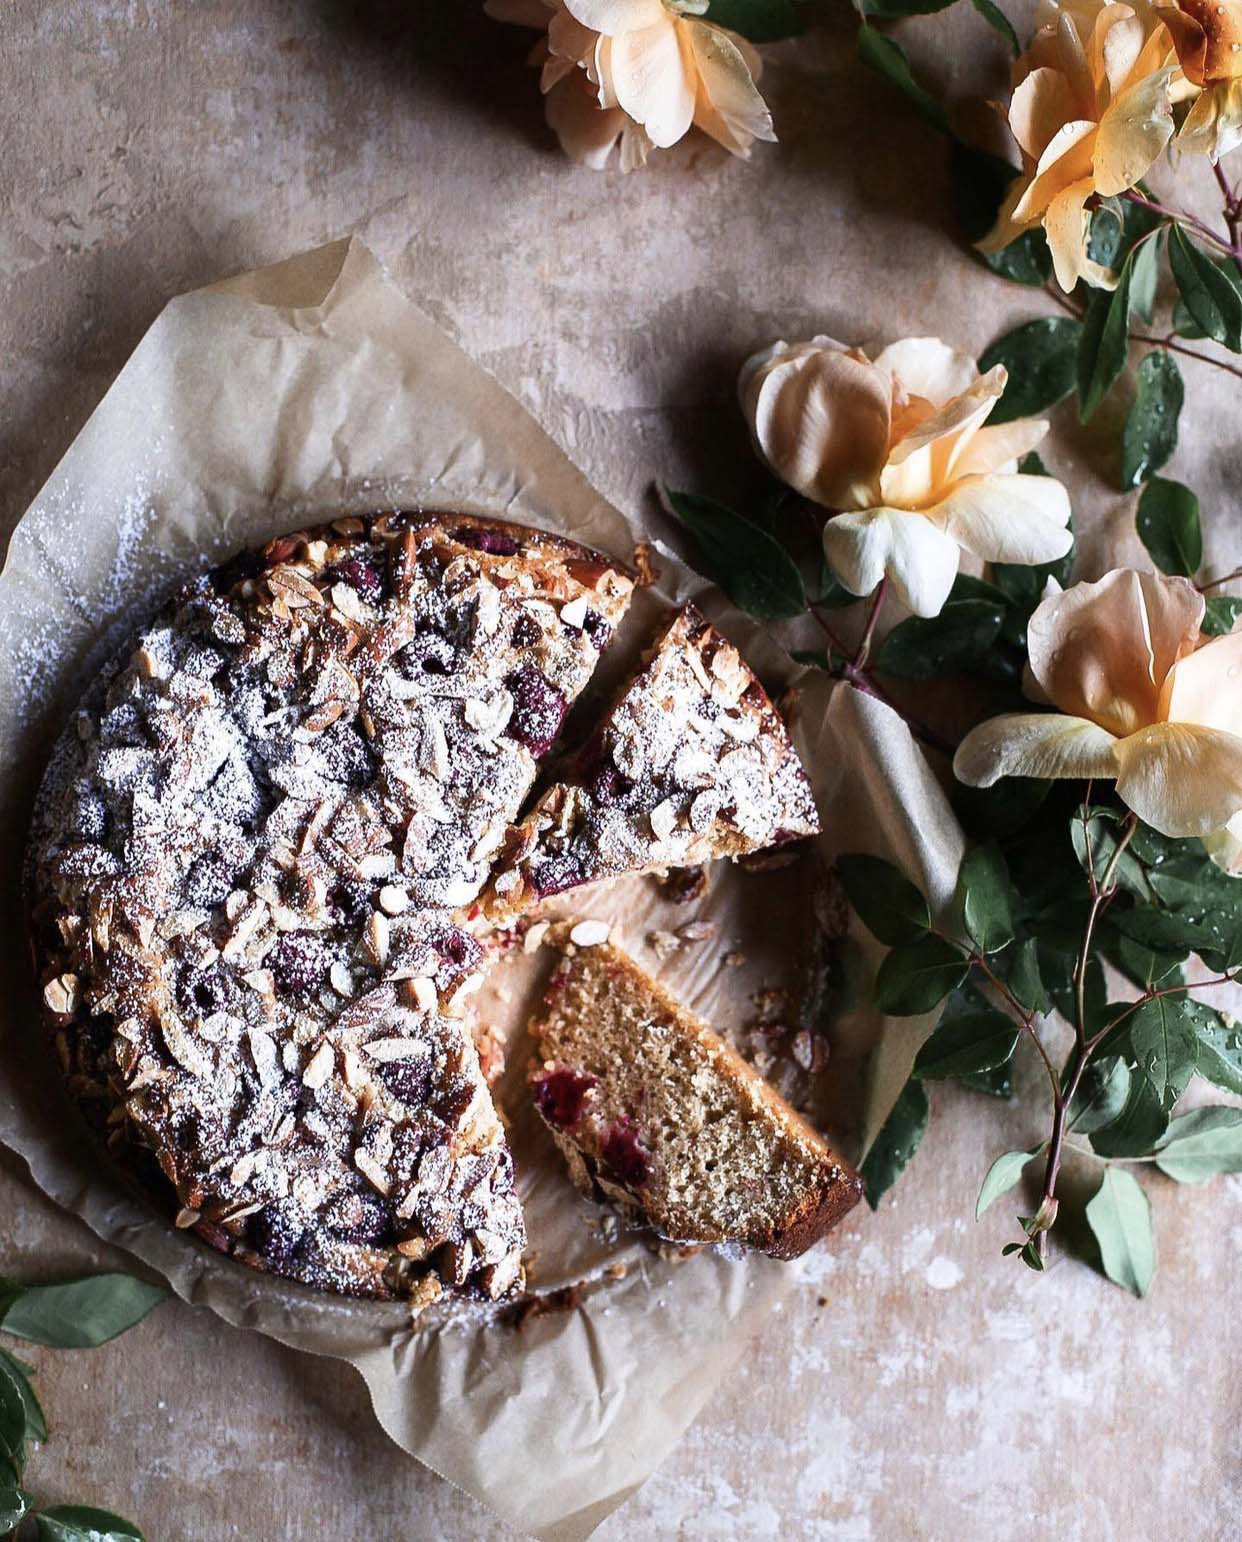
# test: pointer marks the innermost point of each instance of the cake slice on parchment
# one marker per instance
(654, 1111)
(692, 763)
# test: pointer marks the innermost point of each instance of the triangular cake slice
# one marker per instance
(692, 763)
(654, 1111)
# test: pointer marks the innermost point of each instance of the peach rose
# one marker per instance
(638, 74)
(1142, 698)
(1208, 35)
(900, 447)
(1092, 109)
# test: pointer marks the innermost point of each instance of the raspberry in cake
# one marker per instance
(655, 1112)
(243, 869)
(692, 763)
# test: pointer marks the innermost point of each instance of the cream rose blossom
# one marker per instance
(638, 74)
(1208, 35)
(900, 448)
(1092, 109)
(1142, 699)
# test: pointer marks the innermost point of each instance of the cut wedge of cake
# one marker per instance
(654, 1111)
(692, 763)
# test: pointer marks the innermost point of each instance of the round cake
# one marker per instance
(247, 871)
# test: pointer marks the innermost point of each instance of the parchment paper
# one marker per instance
(311, 389)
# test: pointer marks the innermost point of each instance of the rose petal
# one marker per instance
(588, 132)
(920, 464)
(1213, 127)
(1205, 687)
(926, 367)
(1066, 160)
(1133, 132)
(820, 418)
(728, 105)
(654, 78)
(1225, 846)
(1042, 744)
(1040, 105)
(1008, 518)
(919, 560)
(1116, 44)
(613, 17)
(1102, 651)
(1181, 779)
(1066, 225)
(1000, 447)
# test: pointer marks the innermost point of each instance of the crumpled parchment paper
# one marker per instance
(312, 389)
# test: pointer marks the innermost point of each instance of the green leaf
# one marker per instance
(81, 1523)
(995, 17)
(1149, 436)
(1207, 291)
(1159, 930)
(1223, 611)
(14, 1506)
(1120, 1218)
(1201, 1144)
(1042, 360)
(1168, 526)
(764, 21)
(12, 1425)
(1105, 339)
(36, 1423)
(1219, 1057)
(752, 568)
(1024, 261)
(881, 54)
(893, 8)
(917, 977)
(966, 1046)
(1024, 978)
(1101, 1096)
(1165, 1047)
(983, 896)
(888, 904)
(1138, 1129)
(996, 1083)
(1094, 833)
(999, 811)
(1002, 1176)
(899, 1138)
(947, 644)
(81, 1314)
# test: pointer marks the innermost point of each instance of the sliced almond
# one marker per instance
(589, 934)
(319, 1067)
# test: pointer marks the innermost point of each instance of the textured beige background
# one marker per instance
(917, 1385)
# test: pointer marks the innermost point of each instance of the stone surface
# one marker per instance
(916, 1385)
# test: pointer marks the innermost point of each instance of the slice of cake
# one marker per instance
(654, 1111)
(692, 763)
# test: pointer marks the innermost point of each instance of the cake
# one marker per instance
(246, 858)
(692, 763)
(655, 1112)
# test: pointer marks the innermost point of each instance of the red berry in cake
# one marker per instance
(625, 1154)
(561, 1096)
(538, 709)
(361, 576)
(298, 963)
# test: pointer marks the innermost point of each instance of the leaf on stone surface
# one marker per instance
(917, 977)
(1169, 527)
(1120, 1218)
(947, 644)
(83, 1523)
(1149, 436)
(752, 568)
(881, 54)
(1222, 613)
(1102, 1094)
(1042, 360)
(1104, 342)
(1201, 1144)
(1139, 1127)
(1003, 1174)
(1164, 1046)
(12, 1425)
(1219, 1055)
(888, 904)
(966, 1046)
(1211, 296)
(1159, 930)
(36, 1423)
(14, 1507)
(899, 1138)
(983, 898)
(1095, 833)
(1024, 978)
(81, 1314)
